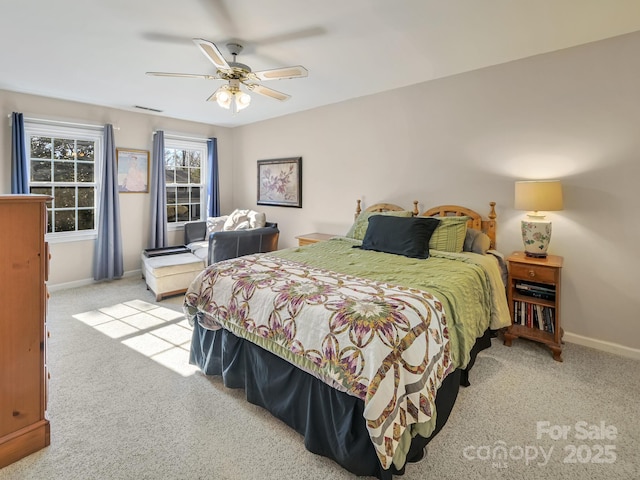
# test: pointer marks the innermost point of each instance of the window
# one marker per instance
(64, 164)
(185, 171)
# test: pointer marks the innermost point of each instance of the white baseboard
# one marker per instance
(87, 281)
(602, 345)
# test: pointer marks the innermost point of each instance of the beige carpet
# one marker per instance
(125, 404)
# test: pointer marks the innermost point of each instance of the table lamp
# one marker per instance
(537, 197)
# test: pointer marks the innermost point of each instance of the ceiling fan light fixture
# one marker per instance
(242, 100)
(222, 97)
(231, 97)
(224, 100)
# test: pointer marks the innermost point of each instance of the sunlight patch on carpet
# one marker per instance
(158, 333)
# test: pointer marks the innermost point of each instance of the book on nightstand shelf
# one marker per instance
(534, 316)
(536, 290)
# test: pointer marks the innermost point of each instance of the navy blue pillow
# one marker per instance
(400, 236)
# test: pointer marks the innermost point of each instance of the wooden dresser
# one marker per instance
(24, 264)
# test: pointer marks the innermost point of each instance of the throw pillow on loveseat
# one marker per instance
(244, 219)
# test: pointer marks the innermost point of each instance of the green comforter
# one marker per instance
(468, 285)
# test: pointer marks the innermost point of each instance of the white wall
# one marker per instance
(571, 114)
(72, 262)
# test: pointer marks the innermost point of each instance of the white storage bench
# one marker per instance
(168, 275)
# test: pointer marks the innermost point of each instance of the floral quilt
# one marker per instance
(387, 345)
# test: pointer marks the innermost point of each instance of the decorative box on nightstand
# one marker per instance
(533, 292)
(309, 238)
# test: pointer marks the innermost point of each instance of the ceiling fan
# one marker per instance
(230, 96)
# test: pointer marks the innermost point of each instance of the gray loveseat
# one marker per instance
(233, 243)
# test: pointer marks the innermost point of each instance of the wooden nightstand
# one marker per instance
(533, 292)
(309, 238)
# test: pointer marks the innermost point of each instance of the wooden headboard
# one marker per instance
(475, 219)
(385, 207)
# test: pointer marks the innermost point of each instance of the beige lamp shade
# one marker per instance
(538, 196)
(534, 197)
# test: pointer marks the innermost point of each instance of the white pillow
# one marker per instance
(257, 219)
(215, 224)
(236, 218)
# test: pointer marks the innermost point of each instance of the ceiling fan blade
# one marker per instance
(296, 71)
(183, 75)
(217, 9)
(268, 92)
(167, 38)
(212, 52)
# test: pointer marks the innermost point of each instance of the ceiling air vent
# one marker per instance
(148, 109)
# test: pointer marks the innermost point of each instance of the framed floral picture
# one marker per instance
(280, 182)
(133, 170)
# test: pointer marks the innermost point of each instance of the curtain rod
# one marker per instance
(46, 121)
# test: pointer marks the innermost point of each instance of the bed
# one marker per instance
(359, 347)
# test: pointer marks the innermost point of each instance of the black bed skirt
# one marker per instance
(331, 421)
